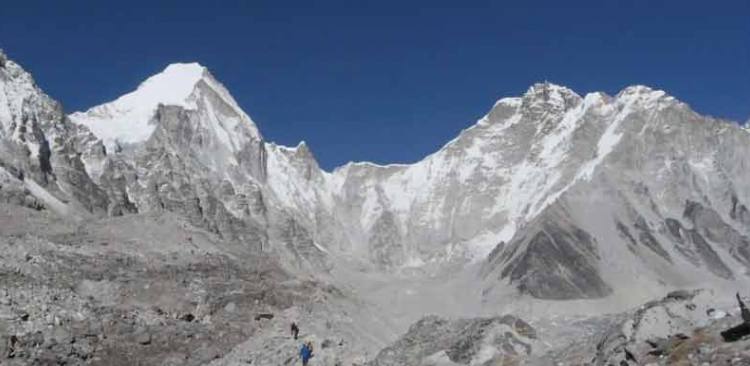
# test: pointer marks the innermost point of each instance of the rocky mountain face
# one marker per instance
(40, 148)
(556, 195)
(572, 197)
(479, 341)
(661, 203)
(200, 156)
(180, 143)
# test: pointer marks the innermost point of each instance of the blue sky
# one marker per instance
(385, 81)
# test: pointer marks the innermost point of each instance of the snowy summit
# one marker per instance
(126, 120)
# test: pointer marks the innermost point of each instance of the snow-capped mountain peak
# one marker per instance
(128, 119)
(550, 91)
(642, 94)
(550, 98)
(172, 86)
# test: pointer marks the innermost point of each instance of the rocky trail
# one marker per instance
(274, 345)
(80, 293)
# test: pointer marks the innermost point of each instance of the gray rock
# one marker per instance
(205, 353)
(143, 336)
(4, 346)
(558, 261)
(61, 335)
(460, 340)
(7, 313)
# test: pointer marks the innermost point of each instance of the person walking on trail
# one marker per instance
(744, 312)
(295, 330)
(305, 353)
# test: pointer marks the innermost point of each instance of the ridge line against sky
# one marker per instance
(385, 81)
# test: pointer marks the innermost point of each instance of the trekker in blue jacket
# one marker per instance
(306, 353)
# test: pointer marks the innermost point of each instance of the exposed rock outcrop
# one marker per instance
(480, 341)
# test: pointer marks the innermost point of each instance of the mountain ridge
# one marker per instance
(535, 90)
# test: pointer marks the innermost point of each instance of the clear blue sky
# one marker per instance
(385, 81)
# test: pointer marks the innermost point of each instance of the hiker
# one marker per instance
(295, 330)
(744, 312)
(306, 353)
